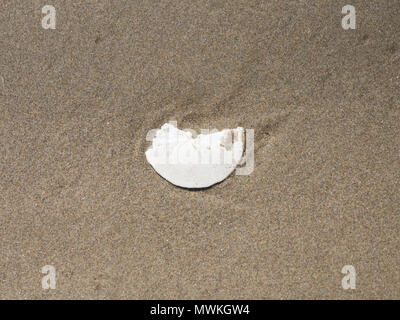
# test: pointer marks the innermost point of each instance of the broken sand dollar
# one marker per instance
(195, 162)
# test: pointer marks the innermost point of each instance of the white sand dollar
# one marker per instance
(195, 162)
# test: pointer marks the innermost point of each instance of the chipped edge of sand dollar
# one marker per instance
(195, 162)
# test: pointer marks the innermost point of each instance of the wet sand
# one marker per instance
(76, 191)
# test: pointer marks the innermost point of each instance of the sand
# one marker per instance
(76, 191)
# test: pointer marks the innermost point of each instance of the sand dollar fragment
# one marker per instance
(195, 162)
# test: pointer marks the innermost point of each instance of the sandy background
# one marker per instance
(75, 189)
